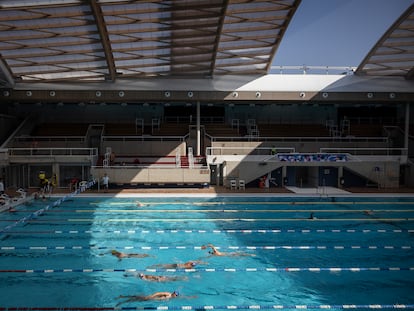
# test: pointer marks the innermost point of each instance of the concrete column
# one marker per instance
(407, 125)
(55, 170)
(340, 176)
(284, 172)
(198, 151)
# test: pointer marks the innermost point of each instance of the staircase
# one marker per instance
(184, 162)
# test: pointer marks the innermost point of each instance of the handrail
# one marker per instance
(300, 139)
(148, 166)
(269, 150)
(47, 138)
(368, 151)
(52, 151)
(35, 141)
(247, 150)
(304, 69)
(10, 138)
(143, 138)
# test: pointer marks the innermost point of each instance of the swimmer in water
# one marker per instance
(126, 255)
(215, 252)
(154, 296)
(186, 265)
(160, 278)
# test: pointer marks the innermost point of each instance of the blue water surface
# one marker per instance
(355, 251)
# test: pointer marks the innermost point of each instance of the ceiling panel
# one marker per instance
(393, 54)
(43, 40)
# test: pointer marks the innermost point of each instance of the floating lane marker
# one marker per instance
(218, 307)
(224, 231)
(32, 217)
(140, 220)
(261, 203)
(251, 269)
(270, 247)
(118, 211)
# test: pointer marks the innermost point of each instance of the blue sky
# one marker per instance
(336, 32)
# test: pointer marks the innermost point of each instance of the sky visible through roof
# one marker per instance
(336, 32)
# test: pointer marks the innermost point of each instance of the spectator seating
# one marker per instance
(293, 130)
(60, 129)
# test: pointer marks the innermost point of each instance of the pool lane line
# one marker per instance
(218, 307)
(92, 220)
(224, 231)
(193, 270)
(41, 211)
(254, 203)
(223, 211)
(239, 211)
(172, 220)
(266, 247)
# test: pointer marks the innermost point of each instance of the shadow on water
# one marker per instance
(173, 230)
(38, 249)
(328, 239)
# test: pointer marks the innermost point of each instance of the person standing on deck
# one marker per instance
(105, 182)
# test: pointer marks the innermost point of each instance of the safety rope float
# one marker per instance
(39, 212)
(224, 231)
(223, 307)
(267, 247)
(272, 269)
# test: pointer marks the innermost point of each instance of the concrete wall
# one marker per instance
(382, 170)
(130, 175)
(145, 148)
(300, 146)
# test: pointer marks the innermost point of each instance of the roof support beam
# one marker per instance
(283, 29)
(6, 75)
(387, 41)
(103, 33)
(219, 32)
(410, 74)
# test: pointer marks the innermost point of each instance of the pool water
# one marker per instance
(356, 251)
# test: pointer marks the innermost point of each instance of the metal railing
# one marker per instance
(144, 138)
(52, 152)
(304, 69)
(301, 139)
(211, 151)
(368, 151)
(34, 141)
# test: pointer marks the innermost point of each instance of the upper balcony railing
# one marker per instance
(304, 69)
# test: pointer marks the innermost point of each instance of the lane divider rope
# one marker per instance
(225, 231)
(268, 247)
(154, 270)
(32, 218)
(39, 212)
(219, 307)
(144, 211)
(261, 203)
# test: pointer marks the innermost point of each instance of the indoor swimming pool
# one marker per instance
(278, 252)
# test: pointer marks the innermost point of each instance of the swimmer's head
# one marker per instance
(114, 252)
(141, 275)
(193, 264)
(175, 293)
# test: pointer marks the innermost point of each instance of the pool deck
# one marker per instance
(288, 191)
(223, 191)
